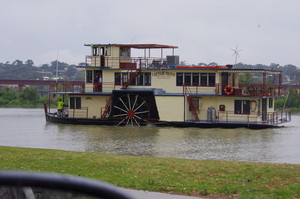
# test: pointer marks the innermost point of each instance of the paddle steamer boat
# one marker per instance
(137, 88)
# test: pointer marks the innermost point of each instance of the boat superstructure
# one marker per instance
(145, 83)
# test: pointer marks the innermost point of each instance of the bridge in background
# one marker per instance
(53, 86)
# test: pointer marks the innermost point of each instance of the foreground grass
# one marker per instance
(189, 177)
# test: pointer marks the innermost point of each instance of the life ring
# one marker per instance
(228, 90)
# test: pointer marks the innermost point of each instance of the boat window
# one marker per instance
(89, 76)
(270, 102)
(242, 106)
(108, 51)
(140, 79)
(195, 79)
(147, 79)
(211, 79)
(203, 79)
(187, 79)
(125, 52)
(75, 102)
(124, 78)
(95, 51)
(117, 78)
(179, 79)
(78, 102)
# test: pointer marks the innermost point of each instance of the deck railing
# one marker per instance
(126, 62)
(83, 112)
(108, 86)
(234, 90)
(270, 118)
(231, 116)
(66, 86)
(195, 89)
(280, 116)
(244, 89)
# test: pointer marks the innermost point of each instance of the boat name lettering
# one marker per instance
(163, 74)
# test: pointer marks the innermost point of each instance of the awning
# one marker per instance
(142, 46)
(139, 46)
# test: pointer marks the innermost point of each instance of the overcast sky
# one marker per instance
(266, 31)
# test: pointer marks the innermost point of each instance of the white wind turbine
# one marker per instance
(236, 54)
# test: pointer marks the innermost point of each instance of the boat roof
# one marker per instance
(203, 68)
(226, 68)
(139, 46)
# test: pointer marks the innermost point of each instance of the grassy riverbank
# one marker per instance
(189, 177)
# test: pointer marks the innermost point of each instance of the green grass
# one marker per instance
(188, 177)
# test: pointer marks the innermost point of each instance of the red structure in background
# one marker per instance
(57, 86)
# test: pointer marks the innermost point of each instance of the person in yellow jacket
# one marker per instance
(60, 107)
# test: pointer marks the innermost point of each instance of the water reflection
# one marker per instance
(106, 139)
(269, 145)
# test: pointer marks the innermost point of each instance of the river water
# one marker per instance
(28, 128)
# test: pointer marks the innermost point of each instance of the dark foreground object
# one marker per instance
(23, 185)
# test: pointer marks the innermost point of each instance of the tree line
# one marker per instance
(29, 97)
(290, 72)
(290, 101)
(29, 71)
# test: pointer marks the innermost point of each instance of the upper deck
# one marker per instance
(131, 56)
(156, 66)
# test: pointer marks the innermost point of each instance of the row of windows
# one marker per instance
(106, 51)
(195, 79)
(142, 79)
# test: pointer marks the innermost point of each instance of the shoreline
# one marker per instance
(203, 178)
